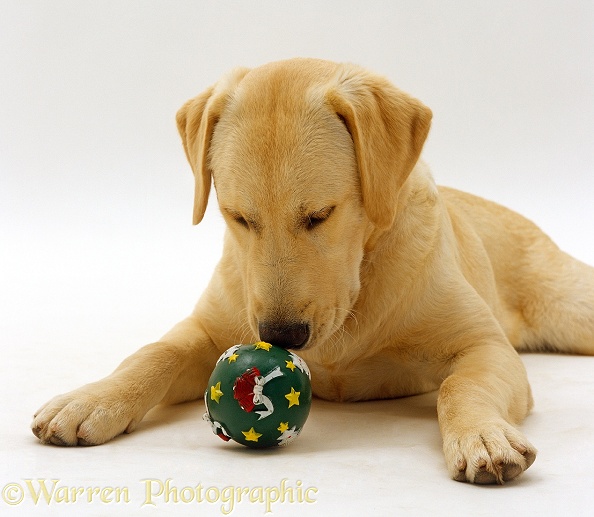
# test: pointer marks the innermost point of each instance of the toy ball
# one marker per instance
(258, 395)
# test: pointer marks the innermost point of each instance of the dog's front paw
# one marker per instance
(90, 415)
(488, 453)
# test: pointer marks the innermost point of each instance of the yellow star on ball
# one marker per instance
(251, 435)
(233, 358)
(293, 397)
(290, 365)
(215, 392)
(283, 426)
(261, 345)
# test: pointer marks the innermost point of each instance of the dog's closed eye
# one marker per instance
(241, 220)
(314, 219)
(238, 218)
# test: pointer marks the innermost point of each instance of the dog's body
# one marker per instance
(339, 244)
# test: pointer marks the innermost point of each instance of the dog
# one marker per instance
(340, 245)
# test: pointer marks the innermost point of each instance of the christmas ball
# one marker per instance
(258, 395)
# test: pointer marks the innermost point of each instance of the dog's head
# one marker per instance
(308, 159)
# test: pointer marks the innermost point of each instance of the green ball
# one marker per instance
(258, 395)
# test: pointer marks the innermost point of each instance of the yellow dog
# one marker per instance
(340, 245)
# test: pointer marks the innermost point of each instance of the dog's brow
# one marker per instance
(249, 220)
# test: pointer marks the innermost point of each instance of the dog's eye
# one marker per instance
(238, 218)
(241, 220)
(316, 218)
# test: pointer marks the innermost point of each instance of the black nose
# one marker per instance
(284, 335)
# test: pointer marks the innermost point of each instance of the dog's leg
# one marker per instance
(559, 310)
(481, 401)
(174, 369)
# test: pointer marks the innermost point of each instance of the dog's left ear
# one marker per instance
(388, 128)
(196, 120)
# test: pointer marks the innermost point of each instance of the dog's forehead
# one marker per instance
(284, 144)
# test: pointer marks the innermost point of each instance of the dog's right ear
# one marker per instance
(196, 121)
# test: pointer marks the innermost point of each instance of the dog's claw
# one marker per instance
(490, 455)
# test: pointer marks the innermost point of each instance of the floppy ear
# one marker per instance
(196, 120)
(388, 128)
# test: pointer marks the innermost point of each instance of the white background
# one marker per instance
(97, 252)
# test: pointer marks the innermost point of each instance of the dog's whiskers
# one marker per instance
(350, 314)
(240, 326)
